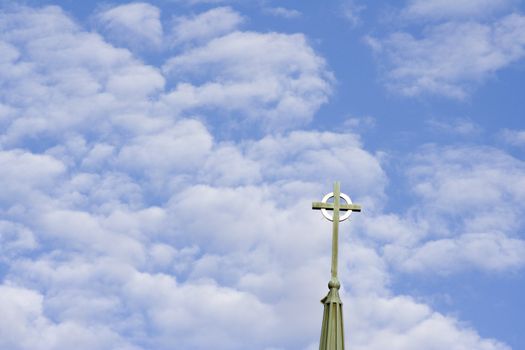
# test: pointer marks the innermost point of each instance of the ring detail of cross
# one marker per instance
(348, 208)
(336, 206)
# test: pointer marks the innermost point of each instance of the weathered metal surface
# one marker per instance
(332, 337)
(343, 207)
(332, 331)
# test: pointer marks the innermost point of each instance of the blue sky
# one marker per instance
(158, 161)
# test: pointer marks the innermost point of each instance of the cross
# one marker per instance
(336, 206)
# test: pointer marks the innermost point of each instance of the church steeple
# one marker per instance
(332, 331)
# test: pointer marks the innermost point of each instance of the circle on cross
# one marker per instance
(343, 217)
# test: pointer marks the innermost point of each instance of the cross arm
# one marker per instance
(321, 205)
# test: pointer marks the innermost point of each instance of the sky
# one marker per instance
(158, 161)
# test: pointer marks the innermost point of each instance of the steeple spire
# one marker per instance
(332, 332)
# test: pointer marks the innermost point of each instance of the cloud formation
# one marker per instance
(136, 24)
(283, 12)
(451, 58)
(457, 46)
(443, 9)
(205, 26)
(126, 223)
(513, 137)
(469, 210)
(273, 79)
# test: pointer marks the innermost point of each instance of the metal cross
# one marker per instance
(337, 207)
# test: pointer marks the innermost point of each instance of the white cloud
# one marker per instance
(136, 24)
(98, 155)
(360, 123)
(182, 147)
(468, 217)
(205, 26)
(377, 323)
(352, 11)
(365, 272)
(228, 166)
(442, 9)
(101, 192)
(486, 251)
(283, 12)
(25, 178)
(66, 80)
(179, 313)
(460, 126)
(394, 228)
(480, 180)
(24, 326)
(187, 152)
(15, 238)
(82, 230)
(450, 58)
(135, 82)
(513, 137)
(300, 155)
(27, 170)
(273, 78)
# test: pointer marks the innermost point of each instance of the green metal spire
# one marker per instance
(332, 335)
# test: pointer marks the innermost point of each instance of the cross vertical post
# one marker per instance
(335, 229)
